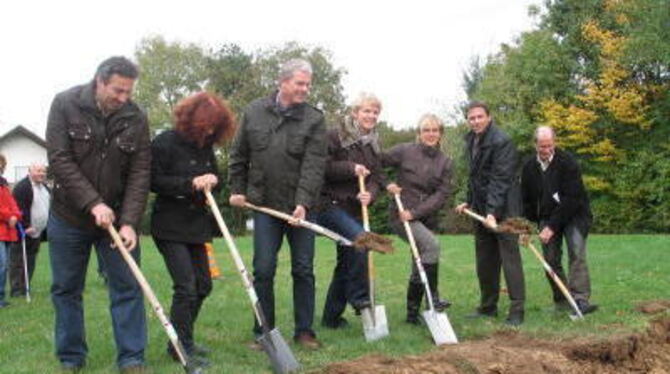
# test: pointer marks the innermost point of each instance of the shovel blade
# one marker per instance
(281, 357)
(375, 326)
(440, 327)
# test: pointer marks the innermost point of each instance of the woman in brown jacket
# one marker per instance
(424, 177)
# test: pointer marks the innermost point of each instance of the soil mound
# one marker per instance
(510, 352)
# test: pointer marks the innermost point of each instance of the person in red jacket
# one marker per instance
(9, 216)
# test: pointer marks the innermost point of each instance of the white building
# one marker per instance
(21, 147)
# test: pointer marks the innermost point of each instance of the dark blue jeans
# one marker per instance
(69, 251)
(349, 283)
(268, 236)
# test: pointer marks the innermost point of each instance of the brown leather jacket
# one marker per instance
(424, 174)
(95, 159)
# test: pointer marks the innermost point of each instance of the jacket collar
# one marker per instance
(429, 151)
(295, 112)
(87, 101)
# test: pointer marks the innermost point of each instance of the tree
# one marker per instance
(598, 71)
(169, 72)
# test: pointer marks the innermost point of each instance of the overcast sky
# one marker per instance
(410, 53)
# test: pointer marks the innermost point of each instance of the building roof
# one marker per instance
(20, 130)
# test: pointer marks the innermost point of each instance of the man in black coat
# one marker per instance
(555, 198)
(493, 192)
(33, 198)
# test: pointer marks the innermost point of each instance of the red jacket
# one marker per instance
(8, 209)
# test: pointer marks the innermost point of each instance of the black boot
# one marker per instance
(414, 295)
(432, 275)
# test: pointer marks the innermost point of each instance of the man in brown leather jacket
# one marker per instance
(99, 154)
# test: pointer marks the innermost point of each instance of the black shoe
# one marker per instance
(4, 304)
(339, 323)
(192, 358)
(585, 307)
(441, 304)
(360, 305)
(514, 320)
(478, 313)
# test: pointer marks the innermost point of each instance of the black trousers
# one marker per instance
(495, 251)
(191, 282)
(17, 279)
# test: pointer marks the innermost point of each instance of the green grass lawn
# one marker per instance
(624, 271)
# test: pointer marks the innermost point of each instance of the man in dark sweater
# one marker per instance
(33, 198)
(555, 198)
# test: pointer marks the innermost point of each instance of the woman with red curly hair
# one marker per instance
(183, 166)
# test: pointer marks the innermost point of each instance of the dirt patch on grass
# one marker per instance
(653, 307)
(510, 352)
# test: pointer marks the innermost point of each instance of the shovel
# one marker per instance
(274, 345)
(22, 233)
(524, 239)
(155, 305)
(564, 290)
(363, 241)
(437, 322)
(375, 325)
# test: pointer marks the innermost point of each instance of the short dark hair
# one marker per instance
(476, 104)
(117, 65)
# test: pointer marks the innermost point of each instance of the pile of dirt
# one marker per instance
(510, 352)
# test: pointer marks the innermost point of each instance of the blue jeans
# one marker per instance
(4, 260)
(349, 283)
(69, 251)
(268, 235)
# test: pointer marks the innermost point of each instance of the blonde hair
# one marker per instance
(3, 163)
(429, 118)
(365, 98)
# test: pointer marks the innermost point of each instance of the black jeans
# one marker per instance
(495, 251)
(17, 278)
(191, 282)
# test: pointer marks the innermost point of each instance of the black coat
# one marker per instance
(23, 194)
(493, 186)
(556, 196)
(179, 212)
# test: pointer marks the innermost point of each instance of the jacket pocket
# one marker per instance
(81, 139)
(295, 144)
(258, 139)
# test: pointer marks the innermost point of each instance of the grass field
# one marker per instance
(625, 270)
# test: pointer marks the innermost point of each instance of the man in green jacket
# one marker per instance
(278, 160)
